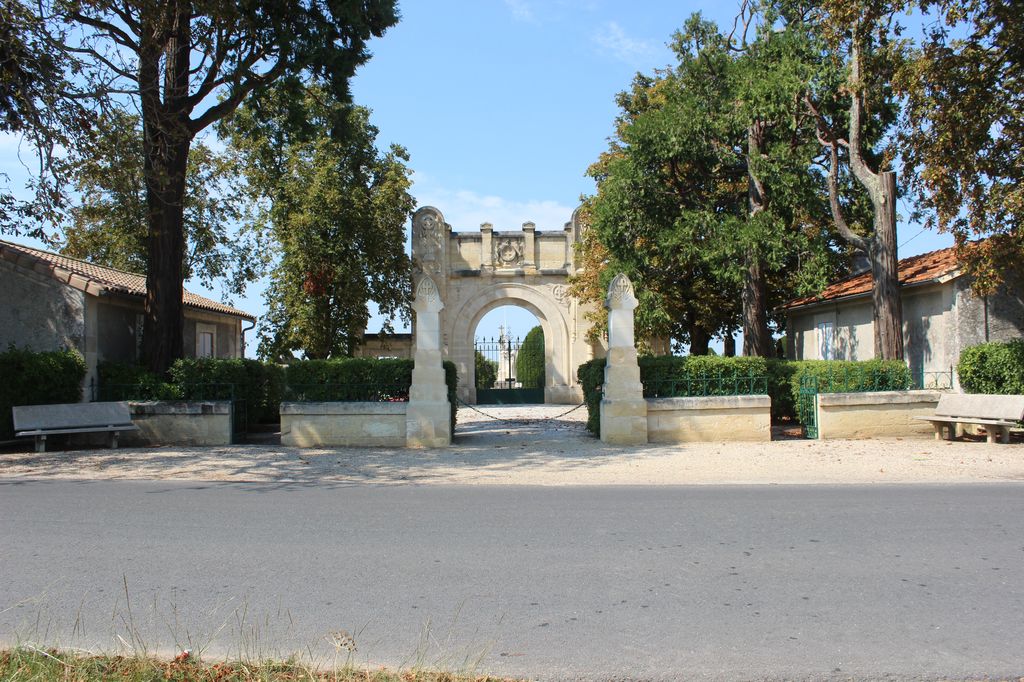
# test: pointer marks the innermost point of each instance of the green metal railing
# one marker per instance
(347, 393)
(706, 385)
(937, 381)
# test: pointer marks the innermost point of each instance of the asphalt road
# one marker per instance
(593, 583)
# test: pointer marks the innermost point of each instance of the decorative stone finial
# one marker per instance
(620, 293)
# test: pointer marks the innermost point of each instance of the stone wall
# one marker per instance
(180, 423)
(307, 425)
(709, 418)
(880, 414)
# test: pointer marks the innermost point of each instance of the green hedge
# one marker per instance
(712, 375)
(530, 360)
(37, 378)
(674, 375)
(263, 386)
(996, 367)
(259, 384)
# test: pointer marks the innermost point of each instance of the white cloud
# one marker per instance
(521, 9)
(613, 40)
(465, 210)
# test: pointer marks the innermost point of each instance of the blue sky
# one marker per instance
(503, 104)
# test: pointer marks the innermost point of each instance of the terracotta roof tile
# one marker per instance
(926, 267)
(93, 278)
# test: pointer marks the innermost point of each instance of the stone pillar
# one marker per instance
(529, 245)
(486, 247)
(623, 408)
(428, 416)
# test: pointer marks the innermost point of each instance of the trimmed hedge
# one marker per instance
(262, 385)
(530, 360)
(850, 376)
(783, 378)
(259, 384)
(996, 367)
(38, 378)
(704, 374)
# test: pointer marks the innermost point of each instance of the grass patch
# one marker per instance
(30, 664)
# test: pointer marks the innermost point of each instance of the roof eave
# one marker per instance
(942, 279)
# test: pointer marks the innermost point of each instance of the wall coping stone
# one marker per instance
(179, 407)
(342, 408)
(878, 398)
(709, 402)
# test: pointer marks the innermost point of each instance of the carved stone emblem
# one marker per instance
(508, 252)
(619, 289)
(426, 291)
(561, 293)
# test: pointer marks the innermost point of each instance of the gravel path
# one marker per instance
(543, 451)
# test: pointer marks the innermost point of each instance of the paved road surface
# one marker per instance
(593, 583)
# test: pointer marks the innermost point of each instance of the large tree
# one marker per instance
(186, 64)
(861, 50)
(34, 105)
(336, 209)
(705, 190)
(965, 130)
(109, 223)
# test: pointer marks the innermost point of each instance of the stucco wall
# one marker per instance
(998, 317)
(39, 313)
(929, 329)
(118, 327)
(228, 332)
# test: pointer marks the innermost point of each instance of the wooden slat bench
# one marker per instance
(997, 413)
(41, 421)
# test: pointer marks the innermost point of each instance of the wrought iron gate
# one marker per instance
(807, 407)
(509, 371)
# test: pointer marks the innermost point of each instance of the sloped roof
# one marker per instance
(98, 279)
(921, 269)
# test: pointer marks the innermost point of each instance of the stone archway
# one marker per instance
(478, 271)
(557, 370)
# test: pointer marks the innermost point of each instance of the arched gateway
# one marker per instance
(476, 272)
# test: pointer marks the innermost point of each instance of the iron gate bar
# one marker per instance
(503, 357)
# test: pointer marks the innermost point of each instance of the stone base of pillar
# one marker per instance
(624, 422)
(428, 424)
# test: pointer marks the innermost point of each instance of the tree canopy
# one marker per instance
(108, 225)
(705, 190)
(186, 65)
(335, 209)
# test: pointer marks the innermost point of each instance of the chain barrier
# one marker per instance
(520, 420)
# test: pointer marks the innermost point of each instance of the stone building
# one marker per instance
(50, 301)
(941, 316)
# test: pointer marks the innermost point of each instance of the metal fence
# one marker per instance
(706, 385)
(942, 380)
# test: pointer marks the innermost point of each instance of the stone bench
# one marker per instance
(997, 413)
(41, 421)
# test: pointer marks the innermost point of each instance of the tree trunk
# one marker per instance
(162, 339)
(700, 340)
(885, 292)
(164, 71)
(757, 340)
(729, 346)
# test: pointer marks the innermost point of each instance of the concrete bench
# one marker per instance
(997, 413)
(45, 420)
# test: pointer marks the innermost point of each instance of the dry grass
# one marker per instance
(26, 664)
